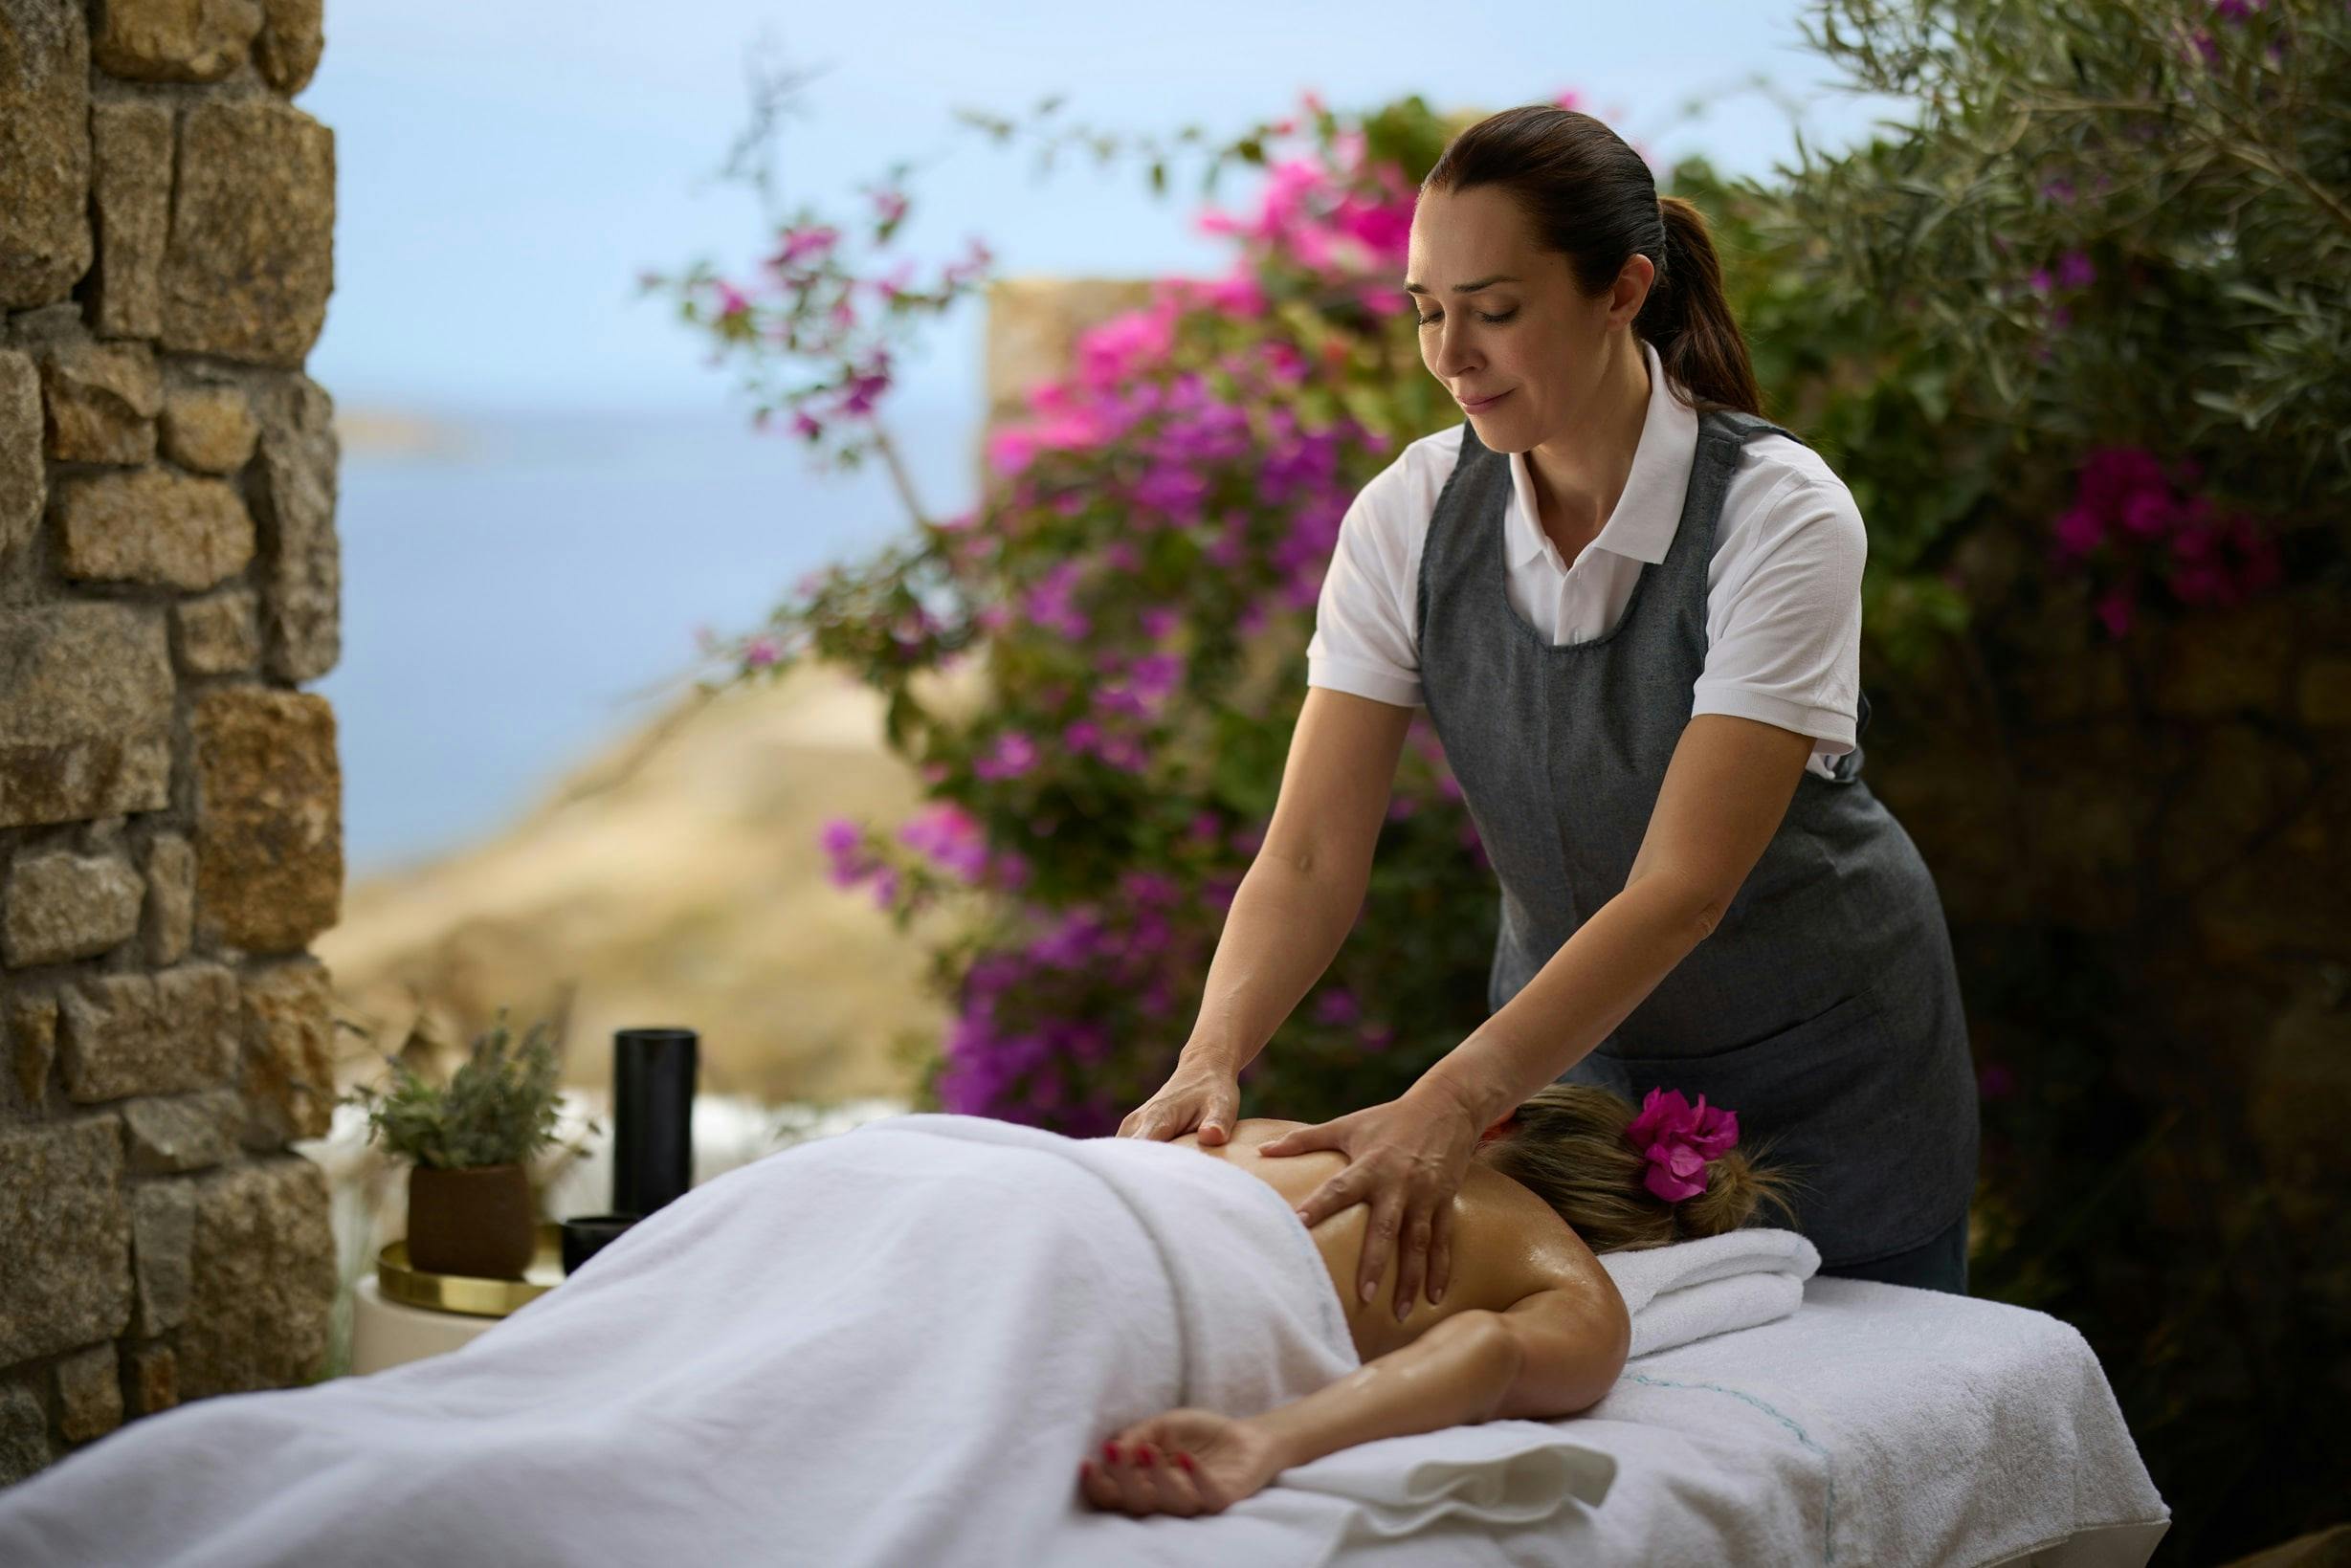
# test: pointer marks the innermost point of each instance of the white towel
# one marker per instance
(891, 1346)
(1713, 1285)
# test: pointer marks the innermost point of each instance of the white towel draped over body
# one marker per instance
(888, 1347)
(893, 1346)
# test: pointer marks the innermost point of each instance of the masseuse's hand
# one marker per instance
(1406, 1158)
(1201, 1095)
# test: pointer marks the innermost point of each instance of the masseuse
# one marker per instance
(1632, 609)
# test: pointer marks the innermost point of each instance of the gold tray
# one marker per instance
(462, 1292)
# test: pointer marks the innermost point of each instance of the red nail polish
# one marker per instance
(1185, 1460)
(1145, 1457)
(1110, 1450)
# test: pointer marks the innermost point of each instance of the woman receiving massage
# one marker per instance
(1529, 1325)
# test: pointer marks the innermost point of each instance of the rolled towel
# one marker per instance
(1713, 1285)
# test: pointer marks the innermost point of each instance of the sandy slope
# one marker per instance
(690, 892)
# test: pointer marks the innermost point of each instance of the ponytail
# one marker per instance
(1589, 197)
(1696, 339)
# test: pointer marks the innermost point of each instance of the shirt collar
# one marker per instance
(1649, 510)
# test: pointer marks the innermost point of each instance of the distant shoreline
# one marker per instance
(396, 432)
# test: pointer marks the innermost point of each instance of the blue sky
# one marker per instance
(504, 168)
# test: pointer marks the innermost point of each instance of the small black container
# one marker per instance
(585, 1235)
(653, 1072)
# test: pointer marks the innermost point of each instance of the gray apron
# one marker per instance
(1825, 1006)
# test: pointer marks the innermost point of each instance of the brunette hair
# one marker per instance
(1590, 198)
(1570, 1149)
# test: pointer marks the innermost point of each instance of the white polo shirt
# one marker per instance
(1783, 589)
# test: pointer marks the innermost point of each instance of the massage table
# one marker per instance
(893, 1346)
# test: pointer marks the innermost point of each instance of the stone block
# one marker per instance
(45, 155)
(171, 899)
(301, 570)
(219, 635)
(24, 474)
(61, 906)
(85, 713)
(102, 402)
(287, 1077)
(90, 1393)
(250, 260)
(163, 1236)
(154, 1378)
(64, 1238)
(293, 37)
(173, 40)
(269, 819)
(208, 430)
(25, 1448)
(264, 1280)
(152, 527)
(130, 143)
(165, 1135)
(150, 1034)
(31, 1022)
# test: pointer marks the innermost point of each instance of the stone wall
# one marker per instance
(170, 830)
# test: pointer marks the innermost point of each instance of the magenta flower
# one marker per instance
(1013, 755)
(1677, 1140)
(1336, 1005)
(2079, 530)
(2114, 610)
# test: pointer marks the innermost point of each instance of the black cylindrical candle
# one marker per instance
(652, 1116)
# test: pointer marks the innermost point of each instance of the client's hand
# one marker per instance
(1406, 1158)
(1201, 1095)
(1181, 1462)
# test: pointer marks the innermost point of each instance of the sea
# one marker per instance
(523, 587)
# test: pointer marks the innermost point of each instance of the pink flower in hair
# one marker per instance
(1677, 1139)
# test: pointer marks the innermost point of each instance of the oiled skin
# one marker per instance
(1507, 1242)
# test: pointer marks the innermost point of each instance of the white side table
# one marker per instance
(386, 1333)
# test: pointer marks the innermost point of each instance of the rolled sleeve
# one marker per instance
(1363, 640)
(1788, 651)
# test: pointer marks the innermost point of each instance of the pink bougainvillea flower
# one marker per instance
(2079, 530)
(1336, 1005)
(2114, 610)
(2149, 513)
(1013, 755)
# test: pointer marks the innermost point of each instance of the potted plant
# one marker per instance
(471, 1207)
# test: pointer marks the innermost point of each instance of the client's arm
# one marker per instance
(1555, 1353)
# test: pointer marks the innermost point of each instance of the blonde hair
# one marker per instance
(1570, 1149)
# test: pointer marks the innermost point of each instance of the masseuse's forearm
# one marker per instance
(1599, 975)
(1454, 1375)
(1284, 927)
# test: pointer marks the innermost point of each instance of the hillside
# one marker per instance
(691, 890)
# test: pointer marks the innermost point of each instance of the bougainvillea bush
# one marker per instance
(1140, 580)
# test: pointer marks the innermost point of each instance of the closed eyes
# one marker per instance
(1431, 321)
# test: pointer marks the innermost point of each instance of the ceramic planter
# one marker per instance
(478, 1221)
